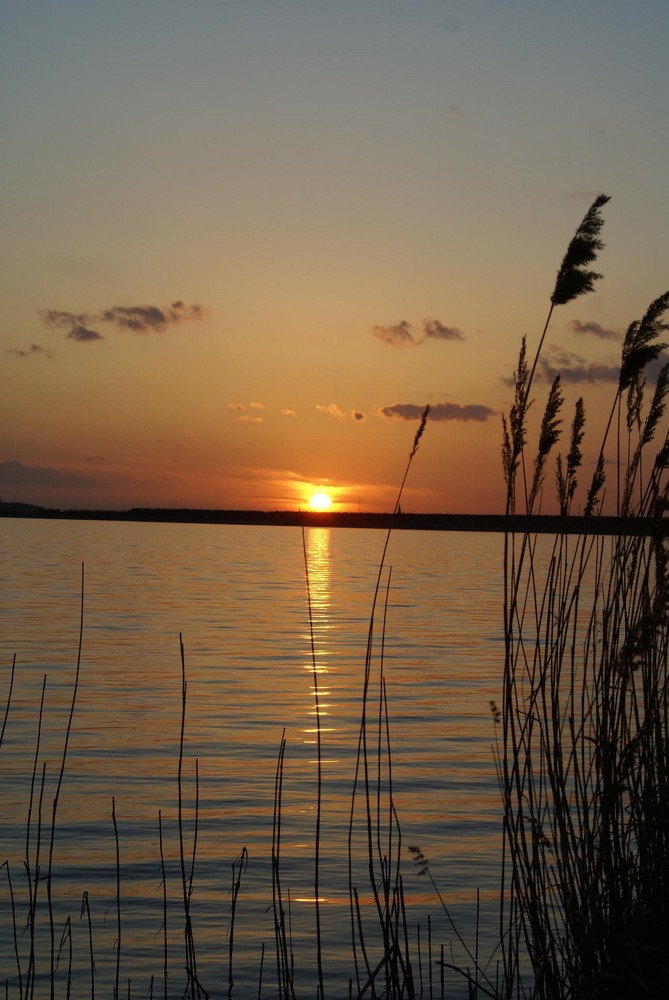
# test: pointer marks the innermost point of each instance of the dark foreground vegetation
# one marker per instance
(580, 735)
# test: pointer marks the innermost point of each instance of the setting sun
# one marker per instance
(319, 501)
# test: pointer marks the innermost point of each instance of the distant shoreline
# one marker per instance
(540, 524)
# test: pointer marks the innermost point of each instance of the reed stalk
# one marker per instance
(163, 882)
(260, 972)
(284, 966)
(86, 909)
(239, 867)
(187, 877)
(8, 699)
(32, 873)
(386, 903)
(119, 924)
(56, 798)
(17, 954)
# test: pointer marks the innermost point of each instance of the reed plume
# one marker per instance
(566, 481)
(549, 435)
(573, 280)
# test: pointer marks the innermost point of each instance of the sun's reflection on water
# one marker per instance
(318, 568)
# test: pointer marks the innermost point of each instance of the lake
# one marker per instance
(255, 670)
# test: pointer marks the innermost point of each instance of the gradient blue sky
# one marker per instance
(240, 237)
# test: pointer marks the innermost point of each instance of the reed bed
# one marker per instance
(580, 742)
(582, 749)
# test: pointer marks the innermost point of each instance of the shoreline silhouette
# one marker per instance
(535, 523)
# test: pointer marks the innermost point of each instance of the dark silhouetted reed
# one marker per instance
(583, 752)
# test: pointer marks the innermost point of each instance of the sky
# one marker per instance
(245, 243)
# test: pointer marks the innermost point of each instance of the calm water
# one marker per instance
(238, 597)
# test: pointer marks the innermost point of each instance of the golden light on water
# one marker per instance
(317, 554)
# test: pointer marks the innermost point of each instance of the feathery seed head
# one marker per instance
(638, 347)
(572, 278)
(421, 428)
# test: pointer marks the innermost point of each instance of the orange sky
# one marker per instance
(245, 244)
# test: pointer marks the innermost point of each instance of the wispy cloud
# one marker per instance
(77, 325)
(14, 473)
(575, 369)
(61, 318)
(593, 329)
(335, 411)
(288, 413)
(34, 351)
(332, 410)
(83, 335)
(434, 330)
(399, 334)
(244, 417)
(439, 412)
(137, 319)
(143, 319)
(402, 334)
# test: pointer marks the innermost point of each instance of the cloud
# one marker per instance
(575, 369)
(332, 410)
(83, 335)
(398, 334)
(76, 324)
(33, 351)
(288, 413)
(246, 419)
(591, 373)
(402, 334)
(137, 319)
(59, 318)
(142, 319)
(440, 412)
(357, 416)
(241, 408)
(593, 328)
(13, 473)
(434, 330)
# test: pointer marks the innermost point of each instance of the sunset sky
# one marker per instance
(244, 242)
